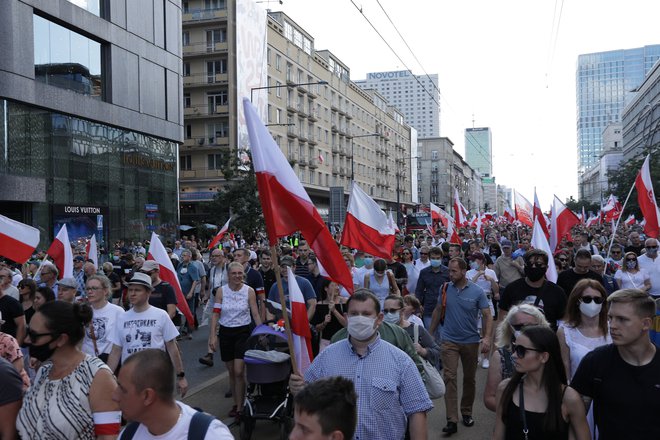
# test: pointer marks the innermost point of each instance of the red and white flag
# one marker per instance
(430, 229)
(612, 208)
(366, 227)
(592, 221)
(538, 214)
(321, 158)
(630, 220)
(93, 251)
(439, 214)
(17, 240)
(479, 226)
(219, 235)
(60, 252)
(167, 273)
(509, 215)
(459, 211)
(452, 234)
(563, 219)
(302, 335)
(392, 223)
(583, 219)
(646, 200)
(524, 210)
(286, 206)
(540, 242)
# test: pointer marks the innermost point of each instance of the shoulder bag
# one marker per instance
(435, 386)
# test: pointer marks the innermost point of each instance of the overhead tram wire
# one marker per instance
(554, 36)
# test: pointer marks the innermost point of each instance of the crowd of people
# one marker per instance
(572, 358)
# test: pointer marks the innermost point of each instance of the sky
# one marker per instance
(507, 65)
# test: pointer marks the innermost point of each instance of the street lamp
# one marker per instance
(285, 85)
(352, 152)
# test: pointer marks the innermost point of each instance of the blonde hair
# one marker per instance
(504, 332)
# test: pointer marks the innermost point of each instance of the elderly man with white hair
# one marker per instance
(599, 265)
(650, 262)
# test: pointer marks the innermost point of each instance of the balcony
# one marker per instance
(204, 48)
(207, 142)
(205, 80)
(291, 131)
(302, 136)
(302, 111)
(313, 163)
(200, 174)
(349, 152)
(292, 157)
(313, 115)
(311, 139)
(343, 171)
(202, 15)
(205, 111)
(335, 169)
(291, 106)
(342, 151)
(334, 128)
(336, 148)
(303, 161)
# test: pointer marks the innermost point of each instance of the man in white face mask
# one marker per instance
(650, 262)
(388, 398)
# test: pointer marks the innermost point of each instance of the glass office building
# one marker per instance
(90, 117)
(479, 149)
(606, 82)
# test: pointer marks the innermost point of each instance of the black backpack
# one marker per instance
(196, 431)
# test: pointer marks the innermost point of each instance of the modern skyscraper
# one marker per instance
(479, 149)
(605, 83)
(417, 96)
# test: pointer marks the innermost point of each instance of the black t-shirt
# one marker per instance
(549, 297)
(626, 397)
(268, 277)
(399, 271)
(567, 279)
(10, 309)
(635, 249)
(162, 295)
(334, 325)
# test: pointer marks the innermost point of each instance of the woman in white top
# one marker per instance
(584, 328)
(234, 303)
(381, 282)
(630, 276)
(104, 319)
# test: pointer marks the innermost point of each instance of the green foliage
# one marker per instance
(623, 178)
(576, 205)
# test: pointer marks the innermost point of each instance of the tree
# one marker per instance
(623, 178)
(577, 205)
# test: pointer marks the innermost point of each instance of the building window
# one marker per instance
(185, 162)
(214, 4)
(215, 161)
(186, 100)
(214, 68)
(66, 59)
(217, 130)
(186, 7)
(188, 131)
(93, 6)
(186, 69)
(185, 38)
(434, 155)
(278, 89)
(217, 99)
(278, 62)
(214, 36)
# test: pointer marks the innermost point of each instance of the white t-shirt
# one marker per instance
(652, 267)
(481, 281)
(217, 430)
(105, 323)
(627, 280)
(139, 331)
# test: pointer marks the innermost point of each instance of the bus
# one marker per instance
(418, 221)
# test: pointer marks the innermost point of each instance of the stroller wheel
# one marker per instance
(286, 425)
(246, 427)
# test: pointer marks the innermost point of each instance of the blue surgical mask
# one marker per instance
(436, 263)
(368, 261)
(474, 265)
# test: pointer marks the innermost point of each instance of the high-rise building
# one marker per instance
(479, 149)
(90, 117)
(641, 119)
(605, 83)
(417, 96)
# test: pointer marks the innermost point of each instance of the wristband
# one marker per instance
(217, 308)
(107, 423)
(181, 375)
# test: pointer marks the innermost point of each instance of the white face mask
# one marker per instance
(361, 327)
(392, 318)
(592, 309)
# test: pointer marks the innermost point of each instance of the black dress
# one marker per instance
(514, 426)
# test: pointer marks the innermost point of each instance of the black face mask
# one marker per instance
(535, 273)
(41, 352)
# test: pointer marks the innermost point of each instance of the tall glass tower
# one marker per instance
(606, 82)
(479, 149)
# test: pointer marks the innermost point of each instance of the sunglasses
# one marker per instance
(33, 335)
(520, 350)
(651, 247)
(631, 259)
(423, 253)
(615, 252)
(390, 310)
(518, 327)
(563, 259)
(596, 299)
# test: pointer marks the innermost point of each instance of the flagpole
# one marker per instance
(41, 265)
(285, 315)
(619, 220)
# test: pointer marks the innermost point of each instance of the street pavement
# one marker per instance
(209, 384)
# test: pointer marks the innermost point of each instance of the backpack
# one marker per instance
(199, 425)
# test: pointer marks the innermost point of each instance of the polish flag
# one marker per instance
(437, 213)
(302, 336)
(538, 214)
(592, 221)
(366, 226)
(459, 211)
(453, 234)
(524, 210)
(630, 220)
(646, 200)
(612, 208)
(563, 219)
(509, 215)
(321, 159)
(473, 221)
(17, 240)
(93, 251)
(392, 223)
(583, 219)
(60, 252)
(540, 242)
(479, 225)
(167, 273)
(220, 234)
(286, 206)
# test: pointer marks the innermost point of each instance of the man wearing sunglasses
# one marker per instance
(568, 278)
(622, 378)
(650, 262)
(615, 260)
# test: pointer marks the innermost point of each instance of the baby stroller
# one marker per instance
(267, 366)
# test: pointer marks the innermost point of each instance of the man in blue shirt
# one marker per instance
(188, 279)
(391, 393)
(459, 312)
(429, 284)
(304, 284)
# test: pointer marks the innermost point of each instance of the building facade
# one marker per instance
(595, 183)
(90, 118)
(417, 96)
(479, 149)
(605, 83)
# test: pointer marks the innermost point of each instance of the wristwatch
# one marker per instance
(181, 375)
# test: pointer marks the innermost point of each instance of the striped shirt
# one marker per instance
(388, 385)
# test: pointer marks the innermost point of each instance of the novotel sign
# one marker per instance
(389, 75)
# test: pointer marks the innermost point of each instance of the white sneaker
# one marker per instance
(485, 364)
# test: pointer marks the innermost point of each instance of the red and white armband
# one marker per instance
(217, 308)
(107, 423)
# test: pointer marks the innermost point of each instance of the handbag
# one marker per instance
(435, 386)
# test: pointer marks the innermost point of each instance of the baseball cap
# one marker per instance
(141, 279)
(287, 260)
(78, 258)
(507, 243)
(68, 282)
(149, 265)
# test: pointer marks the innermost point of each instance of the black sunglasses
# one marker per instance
(631, 259)
(520, 350)
(651, 247)
(390, 310)
(33, 335)
(518, 327)
(563, 259)
(596, 299)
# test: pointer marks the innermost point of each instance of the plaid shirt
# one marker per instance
(80, 278)
(387, 383)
